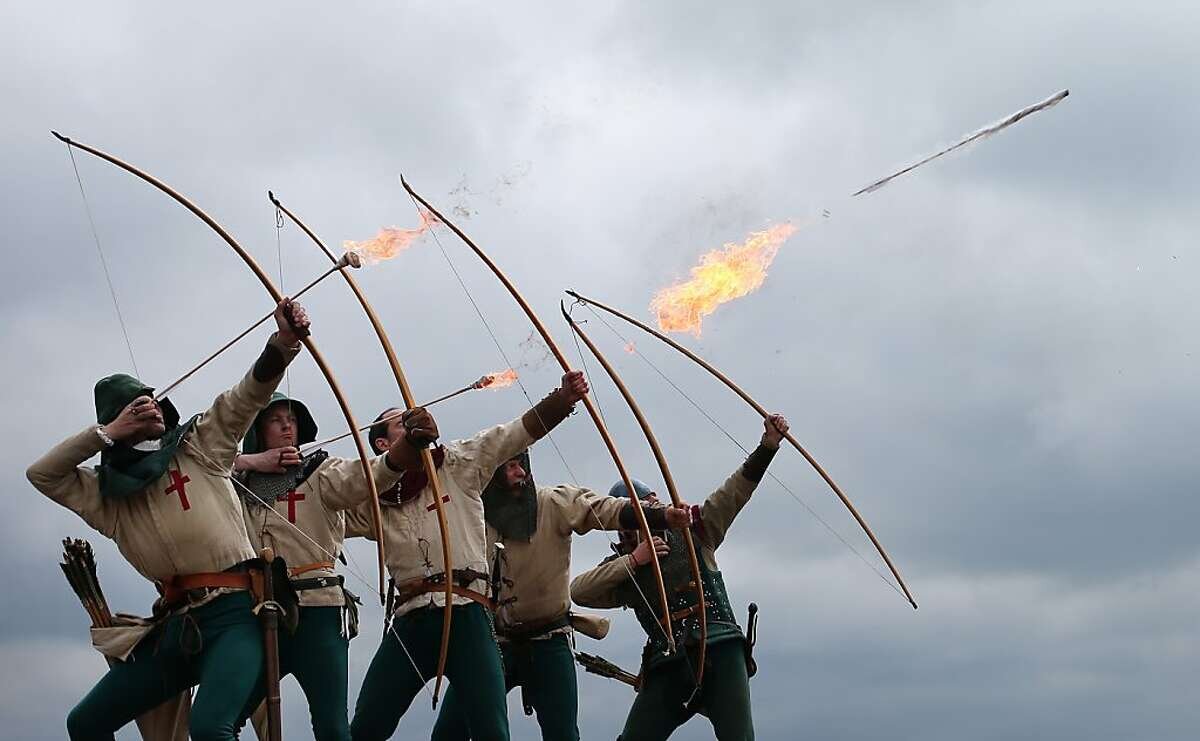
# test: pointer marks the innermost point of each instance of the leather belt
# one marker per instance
(528, 632)
(317, 582)
(435, 584)
(306, 567)
(175, 591)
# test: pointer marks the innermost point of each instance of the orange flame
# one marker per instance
(390, 241)
(499, 379)
(721, 276)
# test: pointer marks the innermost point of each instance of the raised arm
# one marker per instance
(60, 475)
(219, 430)
(724, 504)
(493, 446)
(554, 408)
(343, 486)
(583, 510)
(599, 587)
(359, 522)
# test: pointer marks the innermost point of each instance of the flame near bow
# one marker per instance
(390, 241)
(497, 379)
(722, 275)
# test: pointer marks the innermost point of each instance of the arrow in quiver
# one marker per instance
(79, 566)
(168, 721)
(605, 668)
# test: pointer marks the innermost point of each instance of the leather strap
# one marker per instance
(175, 591)
(306, 567)
(317, 582)
(547, 413)
(685, 613)
(434, 584)
(527, 632)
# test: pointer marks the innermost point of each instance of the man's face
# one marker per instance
(629, 540)
(156, 427)
(395, 431)
(278, 427)
(514, 475)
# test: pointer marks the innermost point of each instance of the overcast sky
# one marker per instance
(994, 355)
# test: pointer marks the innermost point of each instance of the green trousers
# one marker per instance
(725, 698)
(545, 670)
(218, 647)
(316, 655)
(472, 666)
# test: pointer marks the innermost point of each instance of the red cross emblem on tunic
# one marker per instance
(177, 487)
(432, 507)
(291, 498)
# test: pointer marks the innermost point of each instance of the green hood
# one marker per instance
(123, 470)
(304, 421)
(113, 393)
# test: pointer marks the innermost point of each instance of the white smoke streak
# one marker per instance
(986, 131)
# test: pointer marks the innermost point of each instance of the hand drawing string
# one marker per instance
(533, 406)
(216, 470)
(800, 500)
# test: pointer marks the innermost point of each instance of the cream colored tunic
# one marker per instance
(187, 522)
(540, 570)
(412, 540)
(597, 587)
(308, 526)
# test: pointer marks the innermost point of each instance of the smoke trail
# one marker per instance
(986, 131)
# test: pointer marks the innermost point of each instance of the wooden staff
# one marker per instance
(269, 615)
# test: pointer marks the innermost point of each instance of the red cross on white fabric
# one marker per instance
(177, 487)
(432, 507)
(291, 498)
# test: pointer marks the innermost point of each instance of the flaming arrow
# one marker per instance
(643, 526)
(410, 402)
(276, 297)
(493, 380)
(765, 414)
(739, 269)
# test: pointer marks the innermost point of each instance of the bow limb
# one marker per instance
(643, 526)
(426, 457)
(661, 460)
(277, 297)
(765, 414)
